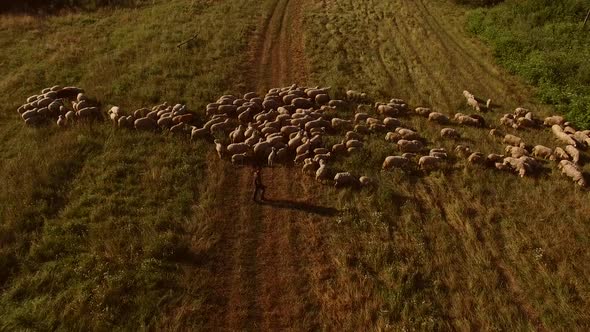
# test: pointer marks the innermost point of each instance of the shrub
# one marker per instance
(541, 41)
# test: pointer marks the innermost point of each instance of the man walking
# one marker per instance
(258, 186)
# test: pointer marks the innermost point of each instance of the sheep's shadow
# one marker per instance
(300, 206)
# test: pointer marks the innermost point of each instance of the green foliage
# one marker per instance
(543, 42)
(478, 2)
(45, 5)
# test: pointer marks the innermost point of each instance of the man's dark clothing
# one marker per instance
(258, 186)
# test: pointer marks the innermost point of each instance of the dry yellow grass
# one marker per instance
(107, 229)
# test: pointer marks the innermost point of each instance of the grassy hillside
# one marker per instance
(97, 224)
(467, 248)
(104, 229)
(543, 41)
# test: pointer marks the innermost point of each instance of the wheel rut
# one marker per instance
(270, 261)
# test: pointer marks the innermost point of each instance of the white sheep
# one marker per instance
(391, 123)
(393, 137)
(477, 158)
(562, 136)
(323, 173)
(574, 153)
(512, 140)
(237, 148)
(240, 158)
(366, 181)
(429, 163)
(344, 179)
(561, 154)
(573, 171)
(544, 152)
(438, 118)
(553, 120)
(515, 151)
(310, 167)
(423, 111)
(463, 151)
(449, 133)
(61, 121)
(391, 162)
(409, 146)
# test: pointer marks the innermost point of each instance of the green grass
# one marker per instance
(104, 229)
(466, 248)
(543, 41)
(98, 225)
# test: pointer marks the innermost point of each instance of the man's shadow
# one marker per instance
(300, 206)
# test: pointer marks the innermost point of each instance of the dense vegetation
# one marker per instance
(542, 40)
(48, 5)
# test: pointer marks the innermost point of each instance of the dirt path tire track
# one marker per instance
(278, 56)
(270, 261)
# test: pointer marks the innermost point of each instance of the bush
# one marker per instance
(49, 5)
(541, 41)
(478, 2)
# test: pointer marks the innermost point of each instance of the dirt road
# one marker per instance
(271, 258)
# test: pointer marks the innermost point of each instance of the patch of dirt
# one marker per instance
(271, 261)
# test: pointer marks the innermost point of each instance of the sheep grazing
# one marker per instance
(515, 151)
(240, 158)
(439, 153)
(524, 122)
(438, 118)
(237, 148)
(366, 181)
(468, 120)
(561, 154)
(339, 124)
(497, 133)
(323, 173)
(477, 158)
(562, 136)
(543, 152)
(61, 121)
(408, 134)
(392, 137)
(472, 101)
(429, 163)
(449, 133)
(391, 123)
(572, 171)
(493, 158)
(423, 111)
(512, 140)
(463, 151)
(197, 133)
(573, 153)
(520, 166)
(310, 167)
(409, 146)
(554, 120)
(145, 124)
(582, 138)
(353, 95)
(345, 179)
(392, 162)
(179, 129)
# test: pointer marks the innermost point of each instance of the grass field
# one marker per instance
(106, 229)
(545, 43)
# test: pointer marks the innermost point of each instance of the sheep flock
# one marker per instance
(289, 125)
